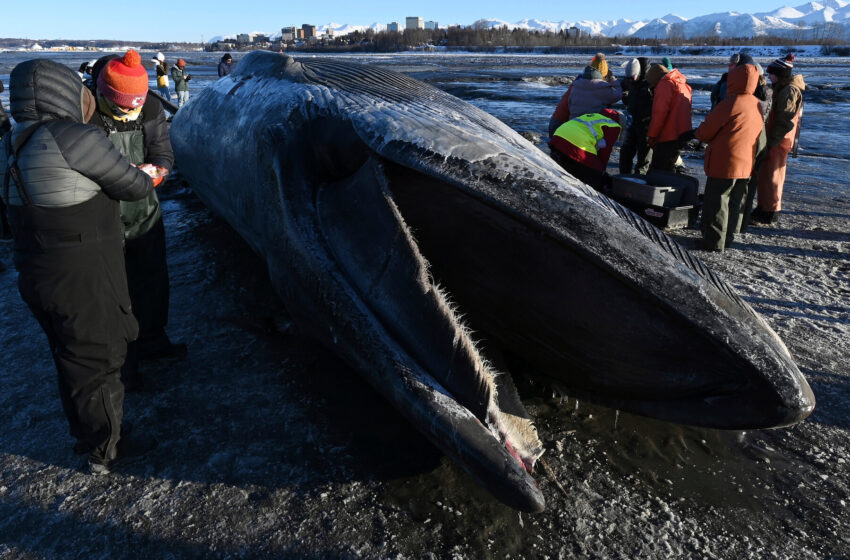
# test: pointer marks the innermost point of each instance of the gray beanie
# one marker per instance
(632, 68)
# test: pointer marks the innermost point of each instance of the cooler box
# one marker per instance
(666, 200)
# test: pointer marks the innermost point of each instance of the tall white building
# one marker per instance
(414, 23)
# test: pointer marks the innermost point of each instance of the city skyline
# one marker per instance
(196, 20)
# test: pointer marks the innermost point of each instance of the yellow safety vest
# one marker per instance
(585, 132)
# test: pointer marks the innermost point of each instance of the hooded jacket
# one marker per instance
(671, 108)
(787, 104)
(589, 93)
(62, 160)
(181, 82)
(732, 128)
(225, 66)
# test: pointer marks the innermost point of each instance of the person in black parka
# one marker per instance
(639, 106)
(141, 135)
(62, 180)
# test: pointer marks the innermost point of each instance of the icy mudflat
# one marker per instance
(271, 447)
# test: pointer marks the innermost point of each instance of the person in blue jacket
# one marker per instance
(225, 65)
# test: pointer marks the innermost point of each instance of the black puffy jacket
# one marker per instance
(62, 161)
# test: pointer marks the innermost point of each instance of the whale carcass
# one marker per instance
(394, 218)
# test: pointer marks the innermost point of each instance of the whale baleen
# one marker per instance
(394, 218)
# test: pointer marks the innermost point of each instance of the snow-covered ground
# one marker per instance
(271, 447)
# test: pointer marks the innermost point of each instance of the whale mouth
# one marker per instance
(535, 296)
(389, 318)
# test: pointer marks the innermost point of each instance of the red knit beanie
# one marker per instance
(124, 81)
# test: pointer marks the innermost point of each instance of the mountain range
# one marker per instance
(810, 20)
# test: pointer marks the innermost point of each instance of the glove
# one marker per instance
(686, 136)
(651, 140)
(155, 172)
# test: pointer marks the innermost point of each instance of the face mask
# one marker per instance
(116, 112)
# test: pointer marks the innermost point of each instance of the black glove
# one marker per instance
(686, 136)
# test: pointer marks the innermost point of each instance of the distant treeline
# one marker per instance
(16, 43)
(480, 36)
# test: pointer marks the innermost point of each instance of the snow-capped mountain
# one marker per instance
(810, 18)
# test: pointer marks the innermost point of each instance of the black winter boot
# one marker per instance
(130, 448)
(759, 216)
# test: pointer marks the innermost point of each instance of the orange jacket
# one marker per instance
(671, 108)
(732, 128)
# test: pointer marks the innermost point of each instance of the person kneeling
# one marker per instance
(583, 145)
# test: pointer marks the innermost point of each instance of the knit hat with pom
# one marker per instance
(124, 81)
(782, 67)
(600, 64)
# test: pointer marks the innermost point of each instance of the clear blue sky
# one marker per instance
(189, 20)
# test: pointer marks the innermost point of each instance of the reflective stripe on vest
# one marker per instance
(585, 132)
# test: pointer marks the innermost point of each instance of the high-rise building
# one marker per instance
(288, 33)
(414, 23)
(394, 26)
(431, 25)
(309, 30)
(243, 38)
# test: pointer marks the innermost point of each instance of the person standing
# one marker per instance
(589, 93)
(136, 124)
(5, 127)
(763, 94)
(627, 84)
(181, 82)
(671, 115)
(162, 76)
(225, 65)
(731, 131)
(783, 125)
(64, 182)
(639, 106)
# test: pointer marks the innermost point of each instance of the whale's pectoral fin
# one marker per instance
(391, 319)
